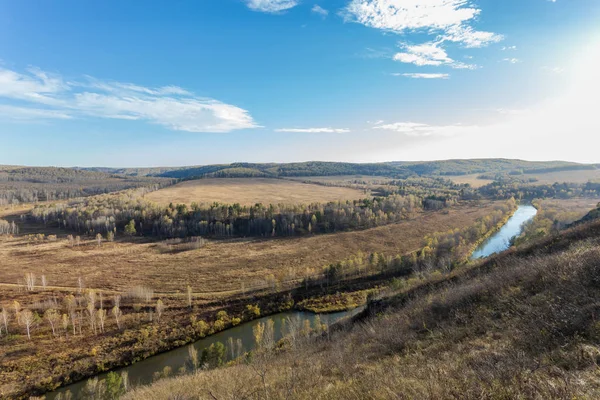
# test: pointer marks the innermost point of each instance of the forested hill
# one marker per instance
(31, 184)
(396, 169)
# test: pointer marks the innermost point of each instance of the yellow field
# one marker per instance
(470, 179)
(346, 179)
(249, 191)
(566, 176)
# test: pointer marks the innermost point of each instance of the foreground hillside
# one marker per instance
(519, 325)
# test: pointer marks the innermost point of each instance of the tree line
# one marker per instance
(131, 214)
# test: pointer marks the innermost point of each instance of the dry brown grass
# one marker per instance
(249, 191)
(566, 176)
(471, 180)
(348, 179)
(518, 326)
(580, 207)
(219, 266)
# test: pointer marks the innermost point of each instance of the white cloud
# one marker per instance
(317, 9)
(423, 76)
(449, 20)
(27, 114)
(512, 60)
(471, 38)
(271, 6)
(505, 48)
(41, 96)
(313, 130)
(428, 54)
(450, 17)
(419, 129)
(410, 15)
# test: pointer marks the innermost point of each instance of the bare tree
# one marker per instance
(160, 307)
(71, 305)
(101, 318)
(44, 282)
(17, 308)
(79, 285)
(189, 296)
(117, 300)
(192, 359)
(65, 323)
(30, 281)
(5, 318)
(116, 312)
(53, 318)
(29, 319)
(99, 239)
(91, 309)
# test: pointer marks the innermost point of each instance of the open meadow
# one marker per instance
(577, 176)
(471, 179)
(249, 191)
(220, 266)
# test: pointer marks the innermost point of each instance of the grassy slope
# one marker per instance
(520, 325)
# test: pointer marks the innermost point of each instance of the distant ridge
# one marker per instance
(394, 169)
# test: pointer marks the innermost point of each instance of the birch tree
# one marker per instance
(30, 281)
(101, 318)
(53, 318)
(116, 312)
(160, 307)
(189, 296)
(17, 308)
(65, 324)
(5, 318)
(28, 319)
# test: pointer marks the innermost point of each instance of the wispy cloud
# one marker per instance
(554, 70)
(38, 95)
(317, 9)
(423, 76)
(422, 130)
(505, 48)
(428, 54)
(448, 20)
(271, 6)
(512, 60)
(313, 130)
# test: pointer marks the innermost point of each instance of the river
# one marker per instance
(500, 240)
(142, 372)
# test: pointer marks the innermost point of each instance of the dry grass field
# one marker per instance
(220, 266)
(470, 179)
(580, 207)
(348, 179)
(249, 191)
(566, 176)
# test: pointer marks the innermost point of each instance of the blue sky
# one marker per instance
(135, 83)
